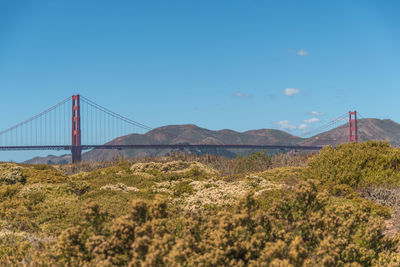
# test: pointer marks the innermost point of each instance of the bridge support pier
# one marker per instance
(76, 149)
(76, 155)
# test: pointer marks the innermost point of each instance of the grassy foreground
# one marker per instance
(289, 210)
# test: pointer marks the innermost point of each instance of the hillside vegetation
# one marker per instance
(334, 208)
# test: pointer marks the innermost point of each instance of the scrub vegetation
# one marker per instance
(337, 207)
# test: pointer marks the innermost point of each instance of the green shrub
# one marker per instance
(357, 164)
(78, 187)
(7, 191)
(341, 190)
(41, 167)
(253, 162)
(183, 187)
(35, 198)
(42, 174)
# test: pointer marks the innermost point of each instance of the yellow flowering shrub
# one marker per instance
(300, 229)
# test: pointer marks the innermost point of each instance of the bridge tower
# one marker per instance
(353, 131)
(76, 149)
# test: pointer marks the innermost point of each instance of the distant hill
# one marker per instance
(192, 134)
(368, 129)
(180, 134)
(50, 159)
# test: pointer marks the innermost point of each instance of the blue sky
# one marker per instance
(218, 64)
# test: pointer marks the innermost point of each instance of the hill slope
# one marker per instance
(192, 134)
(368, 129)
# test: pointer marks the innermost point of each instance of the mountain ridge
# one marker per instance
(192, 134)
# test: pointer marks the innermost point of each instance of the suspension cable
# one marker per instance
(325, 126)
(115, 115)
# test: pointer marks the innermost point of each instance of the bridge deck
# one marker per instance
(178, 146)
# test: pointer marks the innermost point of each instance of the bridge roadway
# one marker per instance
(177, 146)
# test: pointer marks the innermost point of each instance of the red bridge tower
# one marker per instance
(353, 134)
(76, 149)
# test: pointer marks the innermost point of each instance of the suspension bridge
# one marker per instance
(77, 124)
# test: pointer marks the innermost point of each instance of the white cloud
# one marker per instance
(316, 113)
(312, 120)
(285, 125)
(291, 91)
(302, 52)
(243, 95)
(303, 126)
